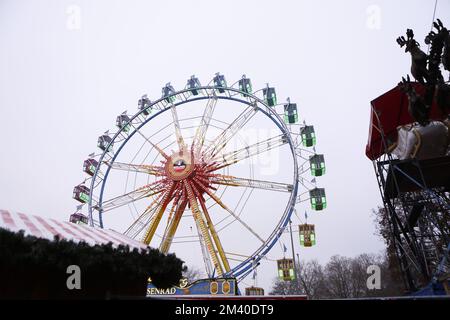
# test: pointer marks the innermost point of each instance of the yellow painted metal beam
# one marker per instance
(215, 236)
(167, 240)
(203, 229)
(144, 214)
(155, 222)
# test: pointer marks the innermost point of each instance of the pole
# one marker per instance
(293, 252)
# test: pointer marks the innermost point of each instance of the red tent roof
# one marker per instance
(389, 111)
(48, 228)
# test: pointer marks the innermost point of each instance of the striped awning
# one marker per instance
(49, 228)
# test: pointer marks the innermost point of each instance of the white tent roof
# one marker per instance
(47, 228)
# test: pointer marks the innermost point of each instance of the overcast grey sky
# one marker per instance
(63, 82)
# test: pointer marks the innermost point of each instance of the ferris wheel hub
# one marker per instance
(180, 165)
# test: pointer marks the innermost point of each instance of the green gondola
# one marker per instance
(193, 84)
(308, 136)
(290, 113)
(317, 165)
(307, 235)
(286, 269)
(168, 93)
(318, 199)
(245, 85)
(270, 97)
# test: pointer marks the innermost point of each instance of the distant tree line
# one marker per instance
(32, 267)
(341, 277)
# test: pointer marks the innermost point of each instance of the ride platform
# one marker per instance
(413, 175)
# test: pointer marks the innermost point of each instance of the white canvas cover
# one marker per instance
(48, 228)
(426, 142)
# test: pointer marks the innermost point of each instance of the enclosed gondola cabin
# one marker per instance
(123, 122)
(254, 291)
(220, 83)
(89, 166)
(104, 142)
(318, 199)
(286, 269)
(245, 85)
(168, 93)
(78, 218)
(144, 105)
(81, 193)
(290, 113)
(193, 84)
(270, 96)
(317, 165)
(307, 235)
(308, 136)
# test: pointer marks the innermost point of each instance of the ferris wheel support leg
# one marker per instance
(215, 236)
(167, 239)
(203, 229)
(154, 225)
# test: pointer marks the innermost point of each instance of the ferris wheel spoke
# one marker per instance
(161, 151)
(176, 122)
(201, 225)
(154, 145)
(176, 197)
(170, 231)
(225, 136)
(220, 203)
(247, 152)
(149, 169)
(138, 194)
(250, 183)
(139, 224)
(200, 134)
(162, 207)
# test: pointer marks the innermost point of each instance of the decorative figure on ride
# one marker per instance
(418, 57)
(425, 68)
(440, 47)
(417, 107)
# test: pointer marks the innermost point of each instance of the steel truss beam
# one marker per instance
(416, 221)
(163, 205)
(225, 136)
(220, 203)
(176, 123)
(172, 227)
(200, 134)
(140, 193)
(201, 225)
(250, 183)
(233, 157)
(142, 168)
(144, 219)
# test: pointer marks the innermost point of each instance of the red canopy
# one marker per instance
(389, 111)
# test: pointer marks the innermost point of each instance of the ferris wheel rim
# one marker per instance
(269, 112)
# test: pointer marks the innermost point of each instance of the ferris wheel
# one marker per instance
(211, 172)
